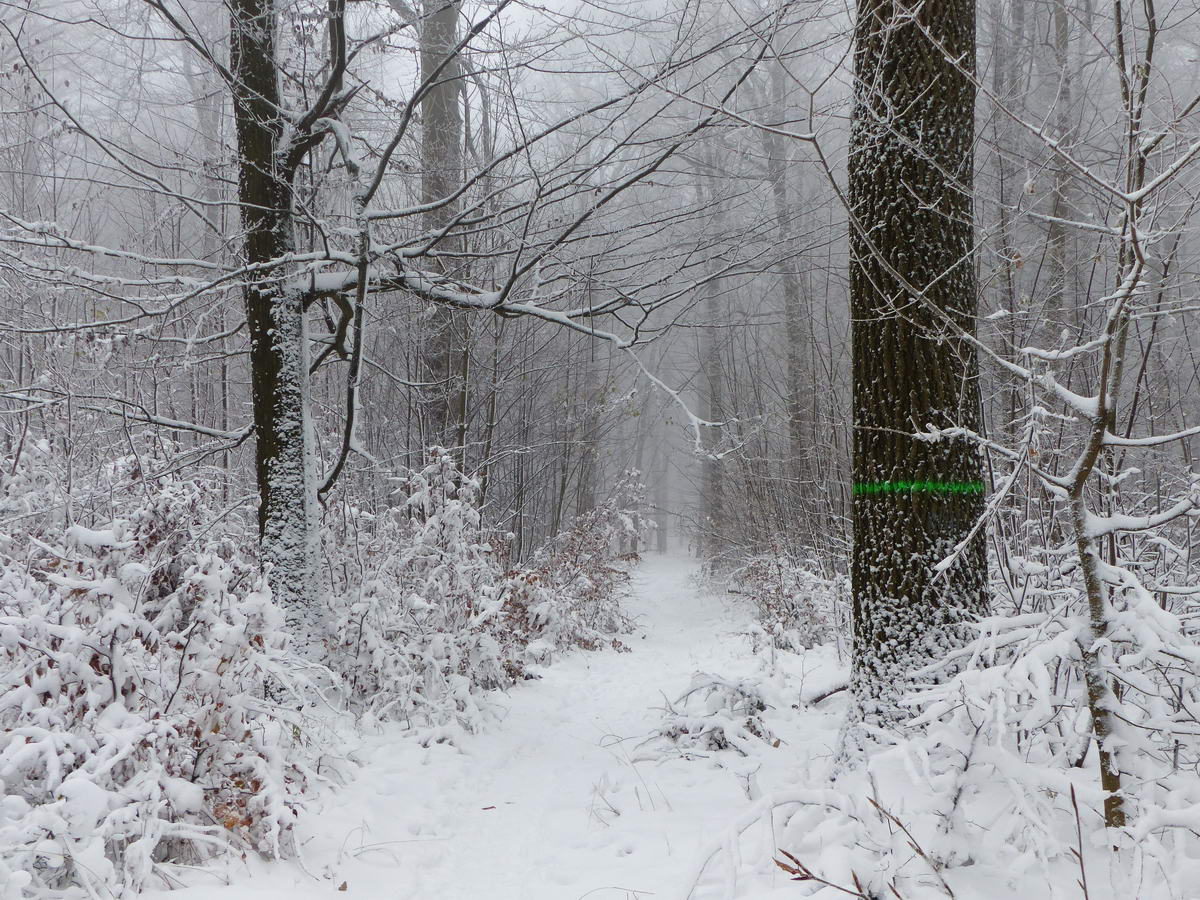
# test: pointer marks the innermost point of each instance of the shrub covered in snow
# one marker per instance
(999, 769)
(717, 713)
(148, 705)
(426, 614)
(1010, 729)
(798, 607)
(577, 578)
(418, 605)
(135, 733)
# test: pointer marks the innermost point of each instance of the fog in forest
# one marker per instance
(697, 448)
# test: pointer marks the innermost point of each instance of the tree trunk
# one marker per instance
(275, 319)
(639, 457)
(662, 496)
(589, 438)
(485, 472)
(794, 303)
(1101, 701)
(1060, 300)
(711, 384)
(1006, 51)
(446, 355)
(910, 173)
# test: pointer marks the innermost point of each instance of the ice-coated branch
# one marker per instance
(125, 409)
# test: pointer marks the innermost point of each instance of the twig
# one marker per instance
(916, 848)
(1078, 851)
(825, 695)
(800, 872)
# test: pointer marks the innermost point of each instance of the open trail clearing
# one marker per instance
(568, 793)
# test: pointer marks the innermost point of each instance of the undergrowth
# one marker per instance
(153, 716)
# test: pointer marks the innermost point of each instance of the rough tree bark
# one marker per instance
(275, 319)
(910, 173)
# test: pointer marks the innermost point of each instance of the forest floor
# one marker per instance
(569, 793)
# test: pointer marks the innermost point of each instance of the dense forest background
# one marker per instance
(358, 347)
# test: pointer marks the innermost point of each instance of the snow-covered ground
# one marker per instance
(568, 793)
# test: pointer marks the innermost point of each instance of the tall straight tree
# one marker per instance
(912, 292)
(446, 354)
(272, 142)
(278, 347)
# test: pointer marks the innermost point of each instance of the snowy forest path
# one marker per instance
(561, 797)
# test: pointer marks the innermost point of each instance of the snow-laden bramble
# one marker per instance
(136, 735)
(1009, 729)
(997, 768)
(427, 614)
(717, 713)
(797, 606)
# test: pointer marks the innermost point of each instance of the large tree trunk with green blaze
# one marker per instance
(275, 319)
(910, 191)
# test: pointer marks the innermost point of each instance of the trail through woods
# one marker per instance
(567, 793)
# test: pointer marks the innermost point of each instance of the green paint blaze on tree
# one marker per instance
(924, 487)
